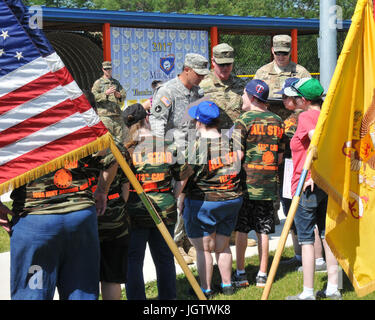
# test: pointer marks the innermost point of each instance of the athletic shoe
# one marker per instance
(318, 268)
(240, 281)
(228, 290)
(251, 243)
(261, 281)
(298, 297)
(322, 295)
(292, 261)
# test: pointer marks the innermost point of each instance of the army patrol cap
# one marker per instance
(197, 62)
(282, 42)
(223, 53)
(107, 65)
(309, 88)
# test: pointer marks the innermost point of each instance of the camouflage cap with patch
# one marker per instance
(223, 53)
(107, 65)
(282, 42)
(197, 62)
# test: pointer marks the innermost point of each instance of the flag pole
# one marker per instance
(287, 225)
(158, 221)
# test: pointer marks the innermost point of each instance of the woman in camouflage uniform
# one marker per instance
(213, 197)
(154, 166)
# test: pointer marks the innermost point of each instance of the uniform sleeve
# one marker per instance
(160, 109)
(99, 95)
(121, 90)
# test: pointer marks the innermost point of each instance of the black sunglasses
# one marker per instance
(222, 65)
(281, 53)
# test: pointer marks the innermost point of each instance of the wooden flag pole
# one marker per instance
(287, 226)
(158, 221)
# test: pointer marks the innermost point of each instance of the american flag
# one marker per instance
(45, 118)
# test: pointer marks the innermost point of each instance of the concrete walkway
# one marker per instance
(149, 269)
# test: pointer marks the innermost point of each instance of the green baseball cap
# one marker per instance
(309, 88)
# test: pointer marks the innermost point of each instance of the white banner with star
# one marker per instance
(140, 56)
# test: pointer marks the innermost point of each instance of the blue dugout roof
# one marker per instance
(92, 20)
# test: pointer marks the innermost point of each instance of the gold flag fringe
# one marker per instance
(90, 148)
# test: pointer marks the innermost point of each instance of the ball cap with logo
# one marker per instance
(288, 82)
(205, 112)
(309, 88)
(223, 53)
(197, 62)
(107, 65)
(258, 89)
(282, 42)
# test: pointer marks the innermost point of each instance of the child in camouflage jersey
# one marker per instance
(154, 166)
(213, 197)
(262, 144)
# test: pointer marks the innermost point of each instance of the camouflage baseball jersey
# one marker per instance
(227, 95)
(154, 165)
(169, 105)
(275, 76)
(290, 125)
(217, 167)
(62, 191)
(262, 137)
(114, 223)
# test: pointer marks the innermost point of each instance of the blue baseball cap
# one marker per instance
(288, 83)
(205, 112)
(258, 89)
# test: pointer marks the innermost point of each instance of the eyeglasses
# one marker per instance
(281, 53)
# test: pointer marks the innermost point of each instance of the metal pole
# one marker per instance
(327, 41)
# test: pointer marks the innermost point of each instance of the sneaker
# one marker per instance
(298, 297)
(291, 261)
(188, 259)
(228, 290)
(261, 281)
(322, 295)
(251, 243)
(318, 268)
(209, 295)
(240, 281)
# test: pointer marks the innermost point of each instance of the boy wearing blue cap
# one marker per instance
(262, 142)
(213, 197)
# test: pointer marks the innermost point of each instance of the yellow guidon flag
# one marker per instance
(344, 144)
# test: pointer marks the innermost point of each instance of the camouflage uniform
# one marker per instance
(262, 136)
(227, 94)
(170, 102)
(155, 171)
(275, 77)
(109, 107)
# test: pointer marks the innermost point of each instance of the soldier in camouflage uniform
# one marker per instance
(213, 196)
(154, 165)
(110, 96)
(54, 240)
(222, 87)
(167, 119)
(262, 137)
(276, 72)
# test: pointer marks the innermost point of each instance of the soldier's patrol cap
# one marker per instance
(223, 53)
(282, 42)
(197, 62)
(107, 65)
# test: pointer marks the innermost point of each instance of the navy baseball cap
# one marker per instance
(258, 89)
(134, 113)
(205, 112)
(288, 83)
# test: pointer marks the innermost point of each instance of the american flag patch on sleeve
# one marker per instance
(166, 101)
